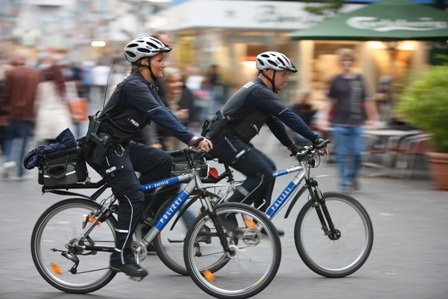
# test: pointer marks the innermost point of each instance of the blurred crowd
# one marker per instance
(41, 96)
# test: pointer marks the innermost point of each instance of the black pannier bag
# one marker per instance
(62, 168)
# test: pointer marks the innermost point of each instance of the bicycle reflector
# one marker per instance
(209, 275)
(56, 269)
(250, 223)
(213, 173)
(89, 218)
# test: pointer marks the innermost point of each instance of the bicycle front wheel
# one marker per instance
(59, 253)
(252, 261)
(326, 254)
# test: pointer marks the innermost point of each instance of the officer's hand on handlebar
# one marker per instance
(201, 144)
(294, 149)
(321, 144)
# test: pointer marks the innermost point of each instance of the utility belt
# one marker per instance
(220, 127)
(227, 132)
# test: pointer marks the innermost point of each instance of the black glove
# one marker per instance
(294, 149)
(319, 142)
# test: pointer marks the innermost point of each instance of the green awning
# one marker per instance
(387, 20)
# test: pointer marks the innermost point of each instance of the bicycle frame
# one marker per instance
(193, 180)
(289, 190)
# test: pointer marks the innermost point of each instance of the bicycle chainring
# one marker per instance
(139, 250)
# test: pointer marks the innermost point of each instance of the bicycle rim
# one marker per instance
(61, 225)
(255, 259)
(334, 258)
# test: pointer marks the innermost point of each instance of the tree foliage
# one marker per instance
(424, 104)
(324, 7)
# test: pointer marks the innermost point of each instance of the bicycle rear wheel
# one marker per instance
(254, 257)
(57, 250)
(341, 256)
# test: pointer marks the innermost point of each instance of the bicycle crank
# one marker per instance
(139, 250)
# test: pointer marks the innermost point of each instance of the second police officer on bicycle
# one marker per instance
(241, 119)
(133, 105)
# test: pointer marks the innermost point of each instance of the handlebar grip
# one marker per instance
(196, 141)
(322, 144)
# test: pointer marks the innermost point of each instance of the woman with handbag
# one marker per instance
(52, 113)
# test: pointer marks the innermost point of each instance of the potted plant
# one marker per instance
(424, 104)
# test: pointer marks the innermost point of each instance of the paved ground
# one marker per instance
(409, 257)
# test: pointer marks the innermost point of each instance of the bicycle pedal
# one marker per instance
(138, 279)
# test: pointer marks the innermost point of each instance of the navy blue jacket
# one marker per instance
(132, 106)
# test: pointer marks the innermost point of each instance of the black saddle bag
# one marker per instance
(62, 168)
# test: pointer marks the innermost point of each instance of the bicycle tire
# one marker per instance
(169, 243)
(334, 258)
(255, 260)
(60, 225)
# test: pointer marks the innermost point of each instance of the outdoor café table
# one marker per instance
(382, 136)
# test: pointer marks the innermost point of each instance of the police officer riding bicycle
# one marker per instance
(241, 119)
(111, 151)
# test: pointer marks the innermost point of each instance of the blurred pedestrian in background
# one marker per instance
(52, 112)
(5, 66)
(75, 96)
(100, 76)
(214, 86)
(304, 108)
(202, 97)
(179, 99)
(349, 106)
(17, 102)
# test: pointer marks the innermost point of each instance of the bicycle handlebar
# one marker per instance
(308, 152)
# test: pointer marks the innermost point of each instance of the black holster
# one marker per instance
(211, 129)
(95, 145)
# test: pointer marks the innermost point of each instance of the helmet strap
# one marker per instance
(272, 80)
(148, 67)
(153, 77)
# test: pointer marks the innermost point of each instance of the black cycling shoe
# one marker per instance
(132, 270)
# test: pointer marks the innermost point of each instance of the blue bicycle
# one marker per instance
(72, 240)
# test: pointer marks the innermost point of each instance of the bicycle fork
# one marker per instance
(219, 229)
(322, 211)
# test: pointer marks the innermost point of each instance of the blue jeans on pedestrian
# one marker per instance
(15, 142)
(349, 148)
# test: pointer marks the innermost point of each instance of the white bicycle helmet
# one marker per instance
(142, 47)
(275, 61)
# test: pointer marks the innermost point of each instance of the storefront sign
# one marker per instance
(384, 25)
(274, 15)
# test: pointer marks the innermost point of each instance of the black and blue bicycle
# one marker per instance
(232, 250)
